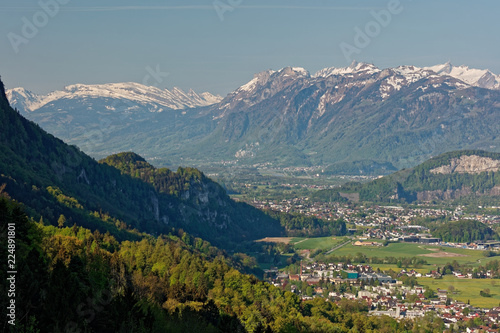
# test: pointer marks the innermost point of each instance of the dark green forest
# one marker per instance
(464, 231)
(299, 225)
(461, 231)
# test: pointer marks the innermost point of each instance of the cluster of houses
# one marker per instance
(334, 273)
(451, 314)
(386, 297)
(384, 222)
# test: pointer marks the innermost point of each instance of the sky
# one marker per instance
(218, 45)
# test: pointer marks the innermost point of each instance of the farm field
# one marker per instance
(321, 243)
(285, 240)
(431, 253)
(467, 289)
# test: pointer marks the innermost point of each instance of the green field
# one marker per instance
(321, 243)
(470, 257)
(467, 289)
(386, 267)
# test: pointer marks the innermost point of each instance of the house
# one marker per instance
(394, 313)
(411, 314)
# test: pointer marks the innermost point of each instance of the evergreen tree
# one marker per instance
(61, 222)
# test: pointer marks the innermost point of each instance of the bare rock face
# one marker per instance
(468, 164)
(443, 195)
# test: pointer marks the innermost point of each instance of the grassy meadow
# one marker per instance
(466, 289)
(322, 243)
(462, 256)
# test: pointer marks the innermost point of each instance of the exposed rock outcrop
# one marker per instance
(468, 164)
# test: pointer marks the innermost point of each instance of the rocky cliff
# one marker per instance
(468, 164)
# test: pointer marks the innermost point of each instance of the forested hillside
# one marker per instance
(59, 182)
(461, 231)
(308, 226)
(75, 280)
(103, 247)
(459, 174)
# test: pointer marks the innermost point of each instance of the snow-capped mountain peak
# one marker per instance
(22, 99)
(259, 79)
(357, 75)
(355, 67)
(294, 71)
(175, 99)
(475, 77)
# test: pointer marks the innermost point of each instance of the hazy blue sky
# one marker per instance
(217, 50)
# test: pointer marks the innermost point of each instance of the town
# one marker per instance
(398, 297)
(395, 292)
(393, 223)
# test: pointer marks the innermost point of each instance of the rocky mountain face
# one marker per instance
(468, 164)
(401, 115)
(338, 118)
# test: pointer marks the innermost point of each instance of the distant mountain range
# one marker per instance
(356, 119)
(139, 96)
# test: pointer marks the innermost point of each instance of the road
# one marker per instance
(338, 246)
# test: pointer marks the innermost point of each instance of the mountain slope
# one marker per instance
(53, 179)
(89, 115)
(449, 176)
(364, 113)
(352, 119)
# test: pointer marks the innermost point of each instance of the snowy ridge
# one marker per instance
(264, 77)
(22, 99)
(474, 77)
(135, 92)
(268, 83)
(355, 67)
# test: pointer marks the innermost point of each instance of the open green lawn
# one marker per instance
(467, 289)
(387, 267)
(316, 243)
(471, 257)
